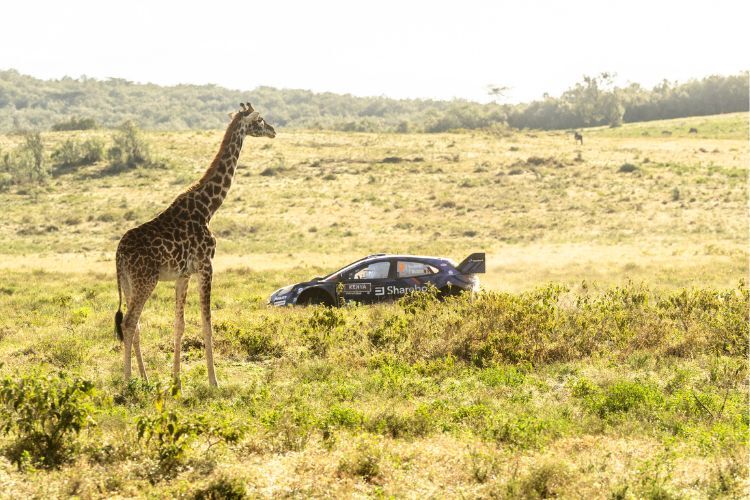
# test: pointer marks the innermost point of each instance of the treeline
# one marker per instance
(28, 103)
(596, 101)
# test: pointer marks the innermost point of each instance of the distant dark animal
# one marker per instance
(693, 130)
(578, 137)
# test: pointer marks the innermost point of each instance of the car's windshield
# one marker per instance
(344, 271)
(336, 274)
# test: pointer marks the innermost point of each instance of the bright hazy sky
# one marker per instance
(430, 49)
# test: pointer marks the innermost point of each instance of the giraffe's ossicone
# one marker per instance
(177, 244)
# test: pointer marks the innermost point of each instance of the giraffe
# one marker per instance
(177, 244)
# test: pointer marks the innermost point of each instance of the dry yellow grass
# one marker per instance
(541, 206)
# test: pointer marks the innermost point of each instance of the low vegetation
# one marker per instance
(605, 356)
(649, 389)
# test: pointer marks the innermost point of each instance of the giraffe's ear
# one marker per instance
(253, 116)
(231, 115)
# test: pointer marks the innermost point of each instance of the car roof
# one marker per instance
(388, 256)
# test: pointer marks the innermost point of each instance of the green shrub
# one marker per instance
(502, 375)
(520, 432)
(401, 424)
(223, 488)
(72, 153)
(343, 416)
(129, 149)
(257, 340)
(26, 163)
(169, 433)
(321, 329)
(544, 481)
(619, 397)
(44, 413)
(290, 426)
(365, 461)
(75, 124)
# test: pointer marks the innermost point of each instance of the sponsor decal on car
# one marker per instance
(398, 290)
(403, 290)
(357, 288)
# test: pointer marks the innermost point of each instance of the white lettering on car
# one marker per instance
(397, 290)
(357, 288)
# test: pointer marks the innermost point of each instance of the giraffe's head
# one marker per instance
(254, 124)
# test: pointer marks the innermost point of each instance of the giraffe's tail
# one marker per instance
(118, 314)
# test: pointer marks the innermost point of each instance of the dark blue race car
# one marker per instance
(383, 277)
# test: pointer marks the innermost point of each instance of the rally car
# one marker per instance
(384, 277)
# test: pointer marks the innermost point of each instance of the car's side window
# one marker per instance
(410, 269)
(374, 271)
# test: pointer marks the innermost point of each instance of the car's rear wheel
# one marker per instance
(449, 291)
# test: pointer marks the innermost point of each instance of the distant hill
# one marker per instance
(27, 102)
(30, 103)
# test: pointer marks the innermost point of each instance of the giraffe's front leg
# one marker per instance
(205, 295)
(181, 288)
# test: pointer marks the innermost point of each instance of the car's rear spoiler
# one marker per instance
(473, 264)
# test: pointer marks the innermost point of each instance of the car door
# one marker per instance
(361, 283)
(412, 275)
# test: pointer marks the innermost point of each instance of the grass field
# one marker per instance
(626, 378)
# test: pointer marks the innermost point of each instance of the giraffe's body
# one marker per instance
(177, 244)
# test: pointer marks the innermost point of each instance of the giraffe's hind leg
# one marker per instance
(181, 288)
(139, 294)
(137, 348)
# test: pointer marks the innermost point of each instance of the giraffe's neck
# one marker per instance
(213, 187)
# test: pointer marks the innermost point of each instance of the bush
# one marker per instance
(321, 328)
(259, 344)
(44, 413)
(72, 153)
(129, 150)
(223, 488)
(257, 341)
(169, 433)
(549, 325)
(75, 124)
(365, 462)
(546, 480)
(627, 168)
(26, 163)
(624, 396)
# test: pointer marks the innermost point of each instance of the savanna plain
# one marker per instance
(605, 356)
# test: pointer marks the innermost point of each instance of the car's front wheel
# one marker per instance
(315, 297)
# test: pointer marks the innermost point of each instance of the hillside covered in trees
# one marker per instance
(28, 103)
